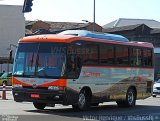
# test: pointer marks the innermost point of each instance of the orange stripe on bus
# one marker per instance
(16, 81)
(48, 38)
(59, 82)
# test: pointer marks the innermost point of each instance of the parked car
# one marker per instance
(156, 88)
(6, 78)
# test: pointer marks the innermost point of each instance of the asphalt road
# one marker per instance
(145, 110)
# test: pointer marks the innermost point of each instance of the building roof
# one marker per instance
(155, 31)
(123, 28)
(126, 22)
(27, 23)
(131, 27)
(59, 26)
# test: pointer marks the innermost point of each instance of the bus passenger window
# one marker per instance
(122, 55)
(106, 54)
(88, 54)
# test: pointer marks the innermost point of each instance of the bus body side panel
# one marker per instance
(112, 83)
(106, 84)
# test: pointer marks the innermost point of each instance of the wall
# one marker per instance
(12, 28)
(96, 27)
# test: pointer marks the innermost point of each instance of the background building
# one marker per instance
(126, 22)
(47, 27)
(12, 28)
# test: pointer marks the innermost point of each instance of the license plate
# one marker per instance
(35, 95)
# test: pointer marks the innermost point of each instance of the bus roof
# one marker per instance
(69, 36)
(97, 35)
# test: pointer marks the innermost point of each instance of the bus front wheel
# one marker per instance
(83, 101)
(39, 106)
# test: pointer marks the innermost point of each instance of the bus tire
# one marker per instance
(39, 106)
(131, 97)
(130, 100)
(84, 100)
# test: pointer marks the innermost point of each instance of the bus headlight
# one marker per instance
(17, 86)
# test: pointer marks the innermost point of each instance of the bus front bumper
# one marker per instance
(39, 95)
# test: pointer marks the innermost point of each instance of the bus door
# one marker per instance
(72, 73)
(73, 67)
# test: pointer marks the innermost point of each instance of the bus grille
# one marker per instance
(30, 87)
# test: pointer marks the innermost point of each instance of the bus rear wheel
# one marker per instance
(131, 97)
(39, 106)
(130, 100)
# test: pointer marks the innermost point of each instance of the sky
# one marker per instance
(77, 10)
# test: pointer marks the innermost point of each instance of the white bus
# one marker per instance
(82, 69)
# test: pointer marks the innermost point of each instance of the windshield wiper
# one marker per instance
(32, 60)
(36, 66)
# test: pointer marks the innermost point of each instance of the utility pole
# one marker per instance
(94, 7)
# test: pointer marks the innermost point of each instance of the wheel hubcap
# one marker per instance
(130, 97)
(82, 100)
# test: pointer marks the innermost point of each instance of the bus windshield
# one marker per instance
(40, 60)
